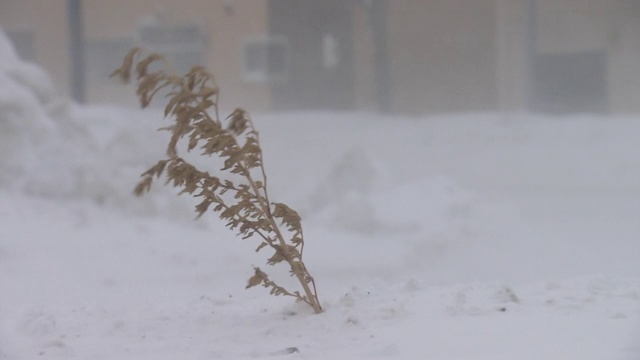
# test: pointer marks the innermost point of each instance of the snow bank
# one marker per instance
(484, 236)
(476, 236)
(56, 149)
(44, 150)
(53, 148)
(81, 281)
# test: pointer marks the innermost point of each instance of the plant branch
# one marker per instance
(190, 99)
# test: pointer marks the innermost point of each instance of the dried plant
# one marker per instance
(237, 190)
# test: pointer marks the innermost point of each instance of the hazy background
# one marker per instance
(440, 218)
(401, 56)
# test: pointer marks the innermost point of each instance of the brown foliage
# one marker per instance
(243, 206)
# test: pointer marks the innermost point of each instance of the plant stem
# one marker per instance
(296, 269)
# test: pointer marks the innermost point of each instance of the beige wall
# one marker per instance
(573, 25)
(118, 18)
(511, 58)
(610, 26)
(363, 58)
(443, 55)
(435, 66)
(624, 59)
(48, 22)
(446, 55)
(226, 32)
(229, 33)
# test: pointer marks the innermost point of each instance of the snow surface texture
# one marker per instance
(453, 237)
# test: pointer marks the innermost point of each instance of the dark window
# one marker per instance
(574, 82)
(266, 59)
(23, 42)
(183, 46)
(104, 56)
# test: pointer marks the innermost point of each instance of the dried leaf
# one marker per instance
(124, 72)
(277, 257)
(261, 246)
(289, 216)
(192, 106)
(143, 186)
(143, 65)
(203, 207)
(257, 278)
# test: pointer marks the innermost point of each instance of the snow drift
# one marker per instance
(484, 236)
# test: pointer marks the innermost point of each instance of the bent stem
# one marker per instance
(193, 104)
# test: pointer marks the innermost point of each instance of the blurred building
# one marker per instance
(407, 56)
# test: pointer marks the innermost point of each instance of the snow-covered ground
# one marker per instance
(476, 236)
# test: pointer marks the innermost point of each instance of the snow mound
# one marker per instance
(362, 196)
(53, 148)
(35, 126)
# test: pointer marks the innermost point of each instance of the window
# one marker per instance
(266, 59)
(104, 56)
(182, 45)
(23, 42)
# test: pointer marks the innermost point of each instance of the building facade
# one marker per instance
(406, 56)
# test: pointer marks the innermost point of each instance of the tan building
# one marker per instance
(39, 31)
(218, 34)
(407, 56)
(541, 55)
(443, 55)
(213, 33)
